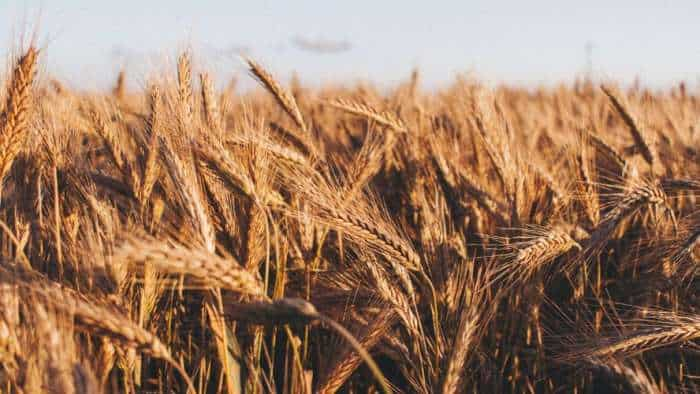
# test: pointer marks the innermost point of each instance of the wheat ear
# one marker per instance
(632, 125)
(173, 258)
(15, 119)
(283, 97)
(151, 166)
(211, 109)
(383, 118)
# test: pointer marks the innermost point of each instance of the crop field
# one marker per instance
(189, 237)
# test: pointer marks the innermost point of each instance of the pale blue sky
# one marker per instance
(515, 41)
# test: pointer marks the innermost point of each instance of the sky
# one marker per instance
(519, 42)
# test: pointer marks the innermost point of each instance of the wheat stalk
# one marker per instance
(119, 90)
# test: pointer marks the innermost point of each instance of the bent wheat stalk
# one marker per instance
(297, 310)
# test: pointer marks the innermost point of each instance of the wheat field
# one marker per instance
(189, 238)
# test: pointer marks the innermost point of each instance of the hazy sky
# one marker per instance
(516, 41)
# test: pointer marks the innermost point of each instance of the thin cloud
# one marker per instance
(321, 45)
